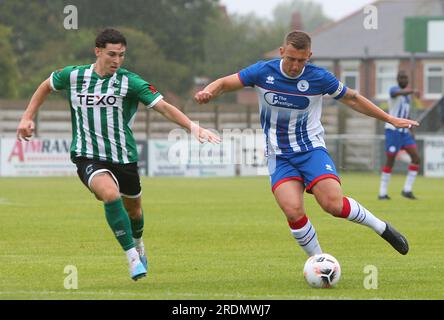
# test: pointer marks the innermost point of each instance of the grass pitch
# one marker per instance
(210, 238)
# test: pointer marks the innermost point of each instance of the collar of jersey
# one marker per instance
(286, 75)
(99, 76)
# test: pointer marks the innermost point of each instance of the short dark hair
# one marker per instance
(298, 39)
(109, 35)
(402, 73)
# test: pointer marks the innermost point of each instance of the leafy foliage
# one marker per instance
(170, 42)
(8, 65)
(312, 17)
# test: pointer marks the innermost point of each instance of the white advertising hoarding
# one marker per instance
(434, 156)
(37, 157)
(254, 162)
(187, 159)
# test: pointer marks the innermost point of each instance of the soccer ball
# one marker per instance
(322, 271)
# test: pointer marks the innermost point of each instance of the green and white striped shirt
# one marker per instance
(103, 110)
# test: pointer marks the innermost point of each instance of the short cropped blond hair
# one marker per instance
(298, 39)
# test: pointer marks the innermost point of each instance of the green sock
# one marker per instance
(119, 222)
(137, 227)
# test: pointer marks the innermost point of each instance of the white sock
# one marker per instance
(305, 234)
(410, 179)
(357, 213)
(385, 179)
(132, 256)
(139, 246)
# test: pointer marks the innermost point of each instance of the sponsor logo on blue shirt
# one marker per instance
(286, 101)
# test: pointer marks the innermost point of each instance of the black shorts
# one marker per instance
(126, 176)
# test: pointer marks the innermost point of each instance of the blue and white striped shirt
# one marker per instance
(399, 106)
(290, 108)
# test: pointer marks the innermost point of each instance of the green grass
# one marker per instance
(220, 238)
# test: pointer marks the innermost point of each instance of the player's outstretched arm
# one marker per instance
(26, 126)
(218, 87)
(406, 92)
(175, 115)
(361, 104)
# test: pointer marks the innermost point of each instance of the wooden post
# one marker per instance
(412, 76)
(216, 117)
(148, 124)
(37, 124)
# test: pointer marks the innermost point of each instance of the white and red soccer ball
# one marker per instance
(322, 271)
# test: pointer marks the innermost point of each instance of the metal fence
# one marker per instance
(366, 153)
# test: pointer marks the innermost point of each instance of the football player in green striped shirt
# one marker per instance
(103, 100)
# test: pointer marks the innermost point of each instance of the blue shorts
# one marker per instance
(396, 140)
(308, 167)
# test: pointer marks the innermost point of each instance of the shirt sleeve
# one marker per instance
(146, 93)
(332, 86)
(394, 91)
(60, 79)
(249, 74)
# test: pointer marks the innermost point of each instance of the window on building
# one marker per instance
(351, 79)
(350, 74)
(433, 80)
(326, 64)
(386, 72)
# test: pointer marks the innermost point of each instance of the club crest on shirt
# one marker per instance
(115, 83)
(303, 85)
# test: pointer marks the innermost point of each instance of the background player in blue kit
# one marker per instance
(399, 138)
(290, 94)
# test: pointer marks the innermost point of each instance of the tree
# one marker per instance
(234, 42)
(177, 26)
(76, 48)
(143, 57)
(312, 14)
(170, 31)
(146, 59)
(33, 23)
(8, 65)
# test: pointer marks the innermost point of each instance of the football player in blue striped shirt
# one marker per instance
(290, 91)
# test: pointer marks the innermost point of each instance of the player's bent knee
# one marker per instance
(104, 187)
(106, 193)
(333, 207)
(293, 213)
(108, 196)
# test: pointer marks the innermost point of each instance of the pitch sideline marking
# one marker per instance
(6, 202)
(167, 294)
